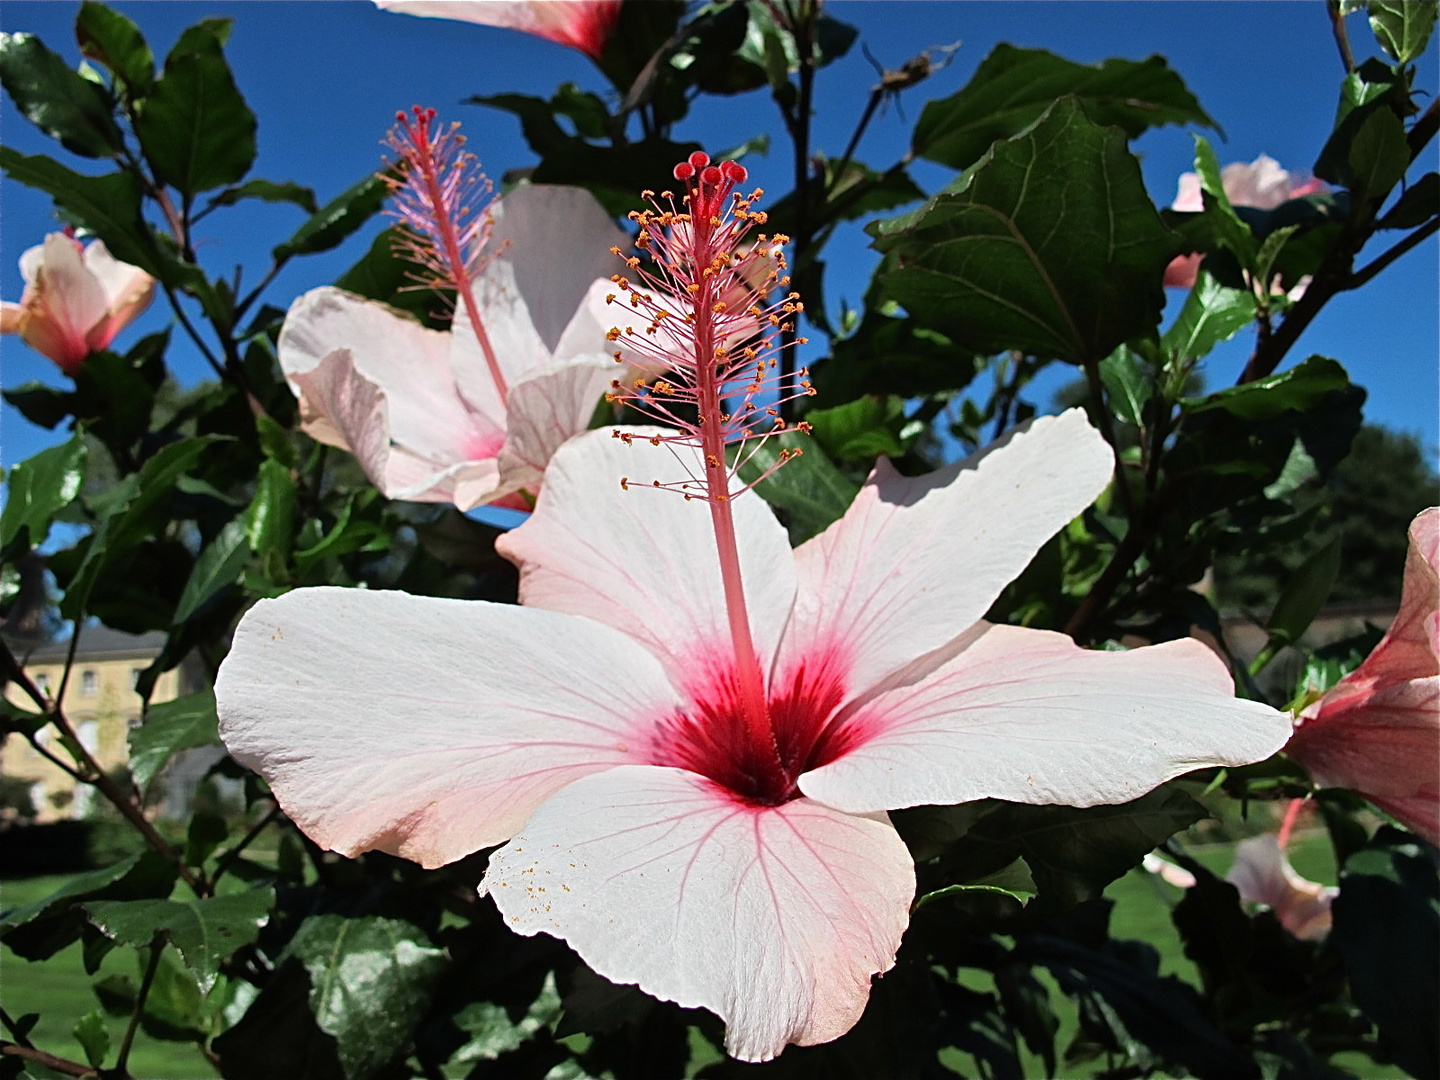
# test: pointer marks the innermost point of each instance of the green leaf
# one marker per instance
(218, 566)
(1297, 389)
(1305, 594)
(492, 1029)
(108, 206)
(1127, 384)
(196, 130)
(1379, 156)
(57, 100)
(1418, 205)
(1013, 87)
(270, 522)
(204, 931)
(42, 405)
(1049, 245)
(1402, 27)
(370, 983)
(206, 36)
(267, 191)
(94, 1038)
(111, 38)
(1212, 314)
(1387, 931)
(170, 727)
(383, 275)
(130, 513)
(809, 487)
(174, 1008)
(41, 929)
(337, 219)
(862, 430)
(887, 355)
(1372, 87)
(35, 490)
(1231, 232)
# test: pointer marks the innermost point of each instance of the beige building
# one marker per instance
(100, 702)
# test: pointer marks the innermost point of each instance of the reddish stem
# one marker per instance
(1292, 814)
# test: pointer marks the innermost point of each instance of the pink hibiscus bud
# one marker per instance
(581, 24)
(470, 415)
(1263, 875)
(1262, 184)
(76, 299)
(1377, 731)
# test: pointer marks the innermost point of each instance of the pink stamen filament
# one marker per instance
(442, 203)
(695, 252)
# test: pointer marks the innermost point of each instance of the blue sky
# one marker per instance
(325, 80)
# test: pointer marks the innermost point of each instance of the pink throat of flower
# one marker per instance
(714, 738)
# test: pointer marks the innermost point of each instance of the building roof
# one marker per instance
(98, 643)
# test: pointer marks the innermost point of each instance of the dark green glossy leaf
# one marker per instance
(130, 513)
(90, 1032)
(1402, 27)
(1297, 389)
(268, 191)
(170, 727)
(1387, 929)
(861, 431)
(370, 983)
(108, 206)
(1231, 232)
(1012, 87)
(1212, 314)
(41, 929)
(1372, 87)
(111, 38)
(491, 1029)
(1419, 204)
(382, 274)
(174, 1008)
(1305, 594)
(35, 489)
(1379, 155)
(1126, 384)
(1049, 245)
(269, 526)
(196, 130)
(42, 405)
(889, 355)
(206, 36)
(204, 931)
(217, 567)
(337, 219)
(63, 104)
(809, 488)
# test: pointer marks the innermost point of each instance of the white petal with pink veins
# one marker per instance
(548, 246)
(774, 918)
(915, 562)
(546, 408)
(1028, 716)
(73, 296)
(427, 728)
(645, 561)
(407, 361)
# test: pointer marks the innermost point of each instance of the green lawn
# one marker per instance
(59, 990)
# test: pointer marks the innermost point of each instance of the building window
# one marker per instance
(89, 683)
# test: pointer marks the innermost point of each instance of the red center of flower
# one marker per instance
(713, 738)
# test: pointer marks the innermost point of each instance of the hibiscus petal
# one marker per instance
(1028, 716)
(548, 245)
(775, 918)
(645, 561)
(407, 361)
(546, 408)
(914, 562)
(427, 728)
(1263, 875)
